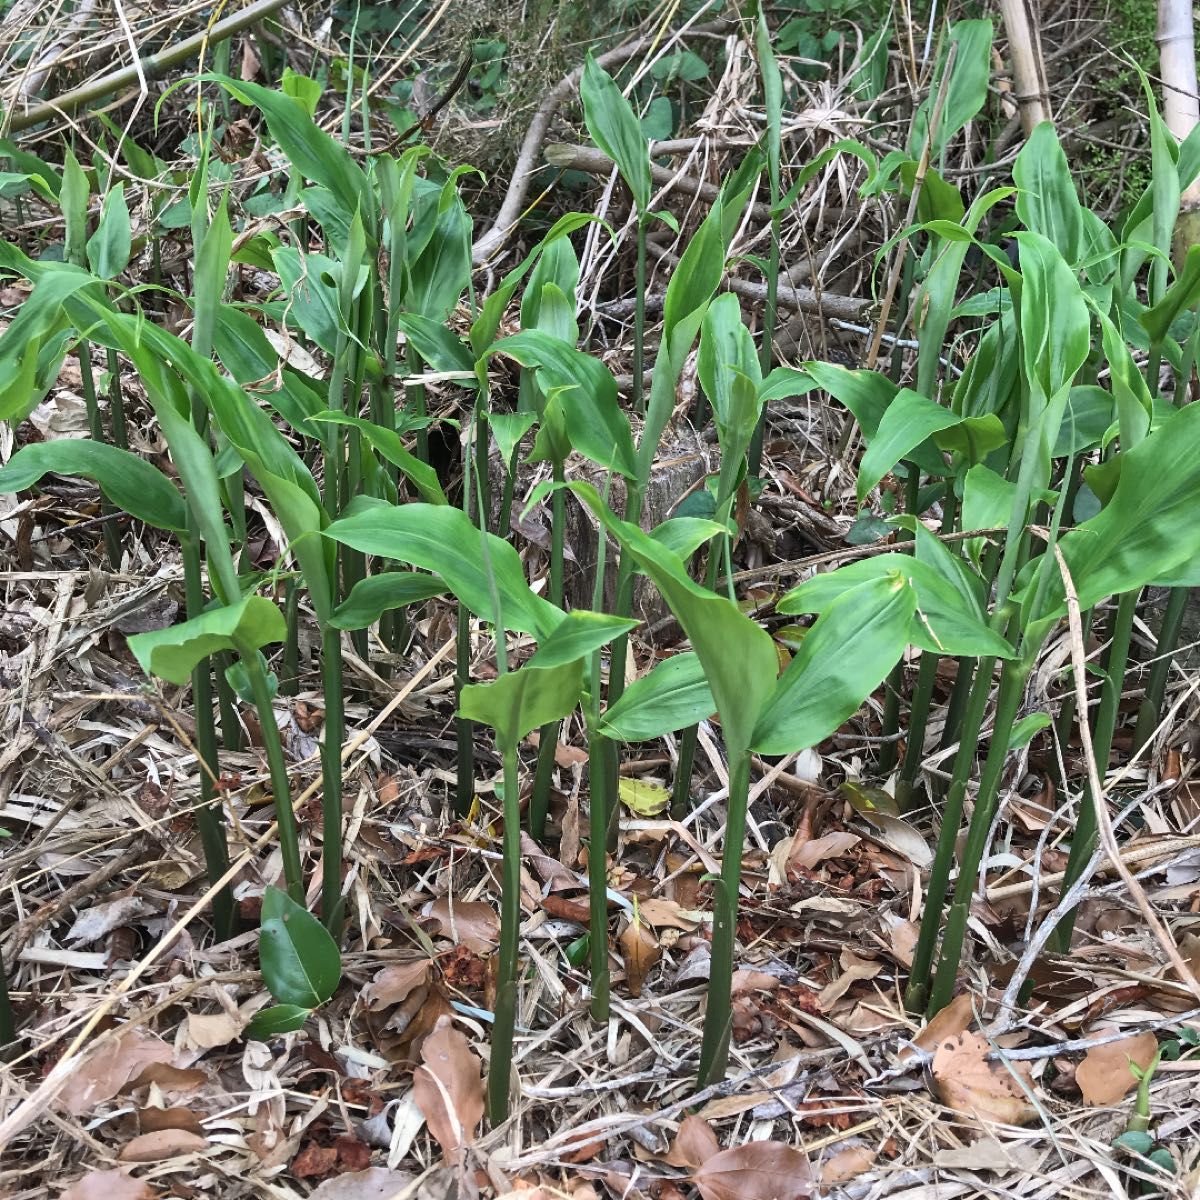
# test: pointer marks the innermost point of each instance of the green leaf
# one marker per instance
(1047, 201)
(312, 297)
(1027, 728)
(243, 627)
(445, 541)
(521, 701)
(965, 93)
(1089, 413)
(73, 200)
(508, 429)
(597, 427)
(278, 1019)
(1134, 1141)
(308, 147)
(304, 90)
(388, 443)
(300, 962)
(108, 248)
(907, 422)
(843, 658)
(131, 483)
(673, 695)
(436, 344)
(1183, 294)
(439, 275)
(370, 598)
(578, 635)
(615, 128)
(739, 658)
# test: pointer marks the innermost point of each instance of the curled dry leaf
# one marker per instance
(162, 1143)
(669, 914)
(1104, 1076)
(745, 982)
(947, 1022)
(475, 924)
(755, 1171)
(114, 1065)
(640, 951)
(694, 1144)
(109, 1185)
(853, 970)
(971, 1085)
(394, 984)
(811, 853)
(448, 1088)
(101, 919)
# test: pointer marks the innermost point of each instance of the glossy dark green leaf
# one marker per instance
(130, 482)
(276, 1020)
(673, 695)
(300, 962)
(242, 627)
(370, 598)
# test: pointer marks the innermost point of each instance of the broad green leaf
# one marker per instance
(437, 345)
(673, 695)
(108, 248)
(440, 274)
(907, 422)
(445, 541)
(300, 962)
(785, 383)
(73, 200)
(308, 147)
(520, 701)
(597, 427)
(310, 295)
(275, 1020)
(1089, 412)
(739, 658)
(844, 657)
(614, 127)
(388, 443)
(370, 598)
(242, 627)
(726, 356)
(1047, 201)
(508, 429)
(578, 635)
(683, 536)
(130, 482)
(1027, 728)
(966, 92)
(303, 89)
(1183, 294)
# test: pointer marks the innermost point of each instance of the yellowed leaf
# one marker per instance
(209, 1030)
(669, 914)
(755, 1171)
(947, 1022)
(971, 1085)
(814, 851)
(448, 1088)
(642, 797)
(1104, 1076)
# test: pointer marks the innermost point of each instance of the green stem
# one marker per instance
(639, 320)
(1008, 703)
(112, 538)
(331, 779)
(289, 841)
(504, 1027)
(598, 764)
(231, 726)
(289, 684)
(917, 993)
(539, 801)
(1164, 651)
(914, 752)
(714, 1047)
(1083, 843)
(116, 403)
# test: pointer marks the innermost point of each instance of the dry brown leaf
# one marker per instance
(755, 1171)
(101, 919)
(448, 1089)
(639, 951)
(111, 1068)
(1104, 1076)
(394, 984)
(814, 851)
(745, 981)
(987, 1154)
(971, 1085)
(208, 1031)
(694, 1144)
(947, 1022)
(847, 1165)
(903, 937)
(109, 1185)
(853, 970)
(471, 922)
(162, 1143)
(669, 914)
(152, 1119)
(375, 1183)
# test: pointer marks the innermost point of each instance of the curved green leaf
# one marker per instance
(278, 1019)
(614, 127)
(673, 695)
(300, 962)
(370, 598)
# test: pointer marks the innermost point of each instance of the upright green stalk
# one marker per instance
(1156, 686)
(639, 319)
(600, 788)
(112, 538)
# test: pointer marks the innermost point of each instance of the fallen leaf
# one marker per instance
(471, 922)
(109, 1185)
(162, 1143)
(847, 1165)
(152, 1119)
(448, 1088)
(639, 951)
(947, 1022)
(103, 1075)
(853, 970)
(903, 937)
(101, 919)
(987, 1154)
(755, 1171)
(314, 1161)
(814, 851)
(745, 981)
(967, 1082)
(375, 1183)
(669, 914)
(896, 833)
(1104, 1076)
(694, 1144)
(394, 984)
(642, 797)
(549, 870)
(215, 1029)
